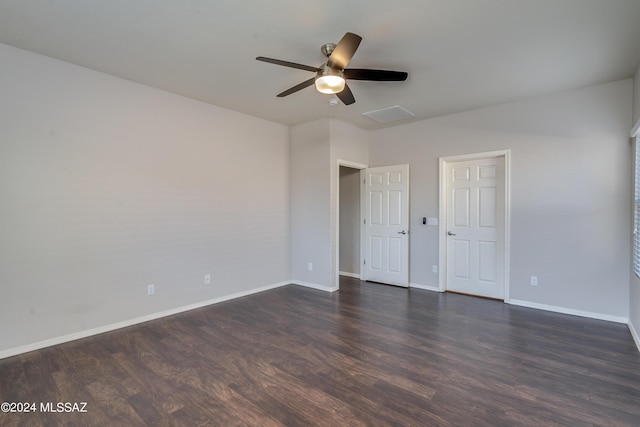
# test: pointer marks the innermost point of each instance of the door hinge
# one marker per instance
(365, 261)
(365, 221)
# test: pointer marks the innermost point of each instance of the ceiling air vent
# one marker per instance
(389, 114)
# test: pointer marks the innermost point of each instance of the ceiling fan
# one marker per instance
(330, 77)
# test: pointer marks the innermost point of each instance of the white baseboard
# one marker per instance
(314, 286)
(563, 310)
(634, 334)
(425, 287)
(118, 325)
(354, 275)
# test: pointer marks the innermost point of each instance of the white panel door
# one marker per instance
(386, 219)
(475, 237)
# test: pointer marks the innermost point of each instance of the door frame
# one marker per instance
(336, 260)
(442, 220)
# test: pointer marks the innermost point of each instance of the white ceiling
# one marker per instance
(460, 54)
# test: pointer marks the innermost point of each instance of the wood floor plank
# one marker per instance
(370, 355)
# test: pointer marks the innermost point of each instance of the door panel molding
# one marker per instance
(442, 230)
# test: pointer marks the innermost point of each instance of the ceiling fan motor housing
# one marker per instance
(327, 49)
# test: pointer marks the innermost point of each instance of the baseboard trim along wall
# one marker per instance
(314, 286)
(599, 316)
(354, 275)
(111, 327)
(634, 334)
(425, 287)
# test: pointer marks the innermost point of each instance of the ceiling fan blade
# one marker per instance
(344, 51)
(297, 87)
(346, 96)
(288, 64)
(375, 75)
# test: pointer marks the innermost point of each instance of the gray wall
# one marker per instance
(348, 144)
(570, 186)
(108, 186)
(636, 96)
(634, 291)
(349, 221)
(310, 208)
(316, 149)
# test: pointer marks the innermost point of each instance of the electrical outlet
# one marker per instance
(434, 268)
(534, 280)
(310, 266)
(207, 279)
(151, 289)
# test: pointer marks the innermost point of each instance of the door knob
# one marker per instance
(451, 233)
(402, 232)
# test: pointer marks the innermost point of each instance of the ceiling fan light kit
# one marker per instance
(331, 77)
(330, 80)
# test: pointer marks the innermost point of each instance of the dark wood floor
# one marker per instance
(368, 355)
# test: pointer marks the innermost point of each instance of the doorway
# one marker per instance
(349, 222)
(381, 238)
(348, 202)
(474, 218)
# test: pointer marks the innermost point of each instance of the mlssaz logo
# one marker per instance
(63, 407)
